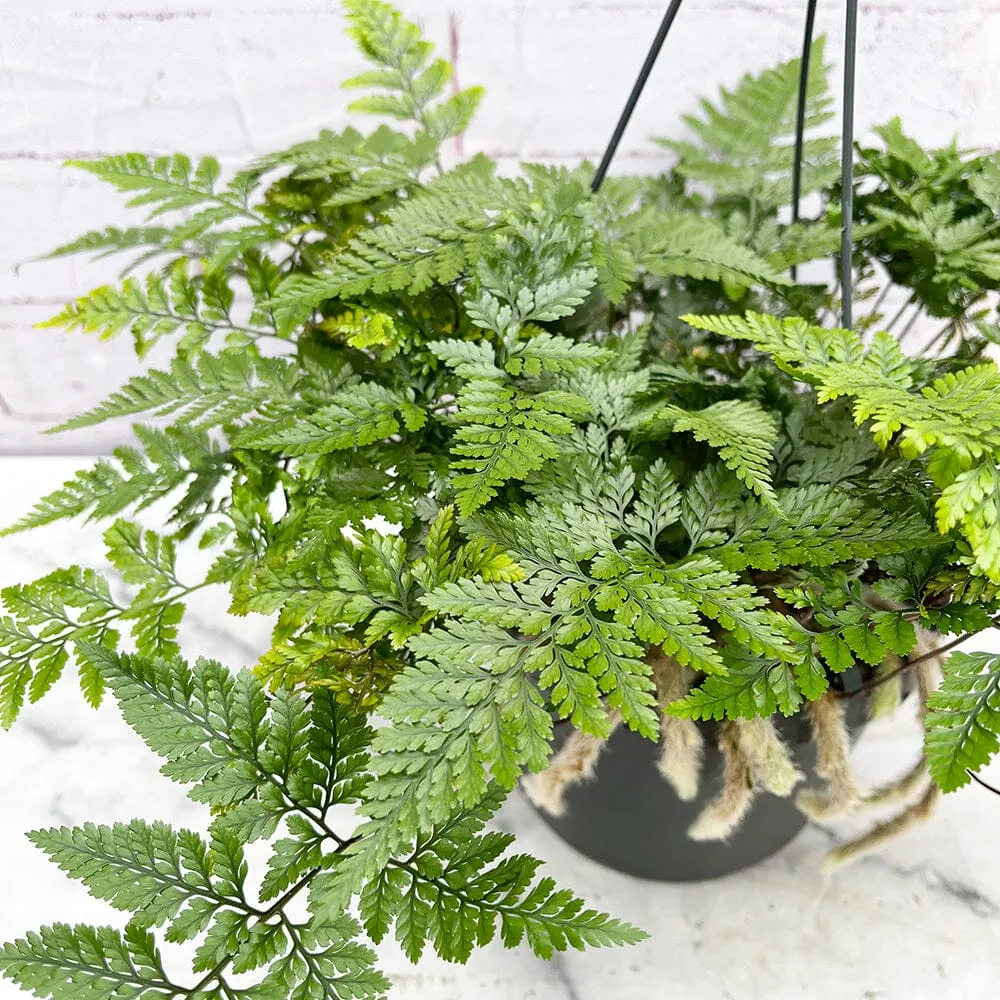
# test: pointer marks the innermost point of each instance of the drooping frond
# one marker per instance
(963, 724)
(955, 419)
(744, 434)
(212, 389)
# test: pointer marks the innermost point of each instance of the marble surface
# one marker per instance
(919, 921)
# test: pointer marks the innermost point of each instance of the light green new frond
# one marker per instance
(170, 459)
(46, 621)
(163, 303)
(973, 501)
(745, 436)
(791, 340)
(384, 162)
(411, 85)
(354, 417)
(61, 961)
(956, 418)
(963, 724)
(168, 183)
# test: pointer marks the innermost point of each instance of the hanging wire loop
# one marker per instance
(633, 97)
(847, 169)
(800, 116)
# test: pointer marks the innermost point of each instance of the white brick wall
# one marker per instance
(239, 77)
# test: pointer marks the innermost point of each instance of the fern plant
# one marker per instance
(496, 454)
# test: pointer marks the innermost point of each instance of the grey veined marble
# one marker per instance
(919, 921)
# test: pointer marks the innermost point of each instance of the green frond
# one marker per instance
(196, 305)
(506, 434)
(820, 526)
(211, 389)
(744, 144)
(432, 238)
(147, 869)
(352, 418)
(458, 886)
(168, 183)
(955, 419)
(744, 434)
(46, 622)
(410, 84)
(752, 686)
(60, 960)
(686, 246)
(963, 724)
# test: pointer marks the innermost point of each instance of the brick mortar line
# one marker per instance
(517, 9)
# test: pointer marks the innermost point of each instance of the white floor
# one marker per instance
(920, 921)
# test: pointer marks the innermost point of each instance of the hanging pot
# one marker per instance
(628, 818)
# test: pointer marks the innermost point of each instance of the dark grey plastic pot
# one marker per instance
(628, 818)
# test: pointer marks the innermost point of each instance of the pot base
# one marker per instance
(630, 819)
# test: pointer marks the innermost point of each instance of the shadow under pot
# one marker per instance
(629, 818)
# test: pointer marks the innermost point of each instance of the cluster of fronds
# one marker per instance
(591, 510)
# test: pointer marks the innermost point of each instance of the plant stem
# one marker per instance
(943, 336)
(910, 323)
(979, 781)
(939, 651)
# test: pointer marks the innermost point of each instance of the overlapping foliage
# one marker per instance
(482, 446)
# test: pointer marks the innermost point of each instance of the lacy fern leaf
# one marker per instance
(212, 389)
(963, 724)
(743, 433)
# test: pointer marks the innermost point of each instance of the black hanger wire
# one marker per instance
(846, 138)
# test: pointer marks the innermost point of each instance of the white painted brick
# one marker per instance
(556, 80)
(236, 77)
(54, 373)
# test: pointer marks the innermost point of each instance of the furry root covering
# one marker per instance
(914, 782)
(833, 762)
(681, 743)
(756, 758)
(575, 761)
(726, 811)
